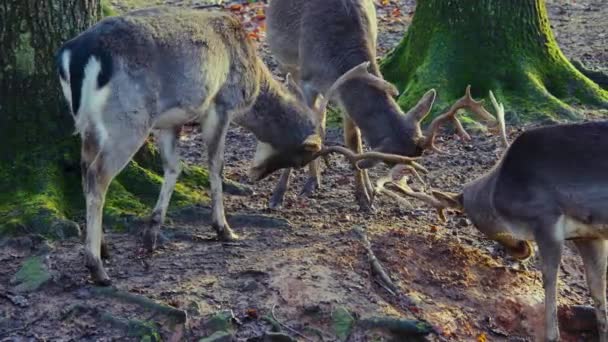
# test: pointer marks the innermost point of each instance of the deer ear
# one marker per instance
(451, 199)
(423, 107)
(313, 143)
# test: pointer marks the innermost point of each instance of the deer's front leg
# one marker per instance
(278, 194)
(215, 127)
(166, 140)
(352, 138)
(595, 257)
(550, 250)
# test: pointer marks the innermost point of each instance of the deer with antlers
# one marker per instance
(155, 70)
(550, 185)
(321, 43)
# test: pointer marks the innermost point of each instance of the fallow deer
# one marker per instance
(317, 41)
(156, 70)
(550, 185)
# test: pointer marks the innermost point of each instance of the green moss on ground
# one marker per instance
(451, 45)
(40, 192)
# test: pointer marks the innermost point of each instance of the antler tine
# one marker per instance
(290, 83)
(356, 158)
(500, 115)
(428, 199)
(466, 101)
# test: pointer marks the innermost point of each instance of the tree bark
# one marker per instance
(40, 187)
(504, 46)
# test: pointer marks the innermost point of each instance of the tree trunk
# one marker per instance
(40, 185)
(504, 46)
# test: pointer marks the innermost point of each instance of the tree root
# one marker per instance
(374, 262)
(598, 76)
(399, 326)
(176, 315)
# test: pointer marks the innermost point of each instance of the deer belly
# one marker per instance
(173, 118)
(575, 229)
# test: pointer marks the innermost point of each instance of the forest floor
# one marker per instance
(303, 265)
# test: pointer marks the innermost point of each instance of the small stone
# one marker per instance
(32, 275)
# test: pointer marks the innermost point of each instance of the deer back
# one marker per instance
(547, 173)
(163, 58)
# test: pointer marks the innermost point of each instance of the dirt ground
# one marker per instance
(303, 266)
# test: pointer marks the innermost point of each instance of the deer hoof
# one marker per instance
(150, 240)
(276, 201)
(98, 273)
(310, 187)
(226, 234)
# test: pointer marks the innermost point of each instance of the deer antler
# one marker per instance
(500, 115)
(466, 101)
(385, 157)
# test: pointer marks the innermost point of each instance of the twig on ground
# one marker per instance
(177, 315)
(374, 262)
(286, 326)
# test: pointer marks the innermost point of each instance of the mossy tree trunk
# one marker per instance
(504, 46)
(40, 187)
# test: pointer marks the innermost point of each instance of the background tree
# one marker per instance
(504, 46)
(40, 187)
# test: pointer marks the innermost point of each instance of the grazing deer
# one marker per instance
(156, 70)
(551, 185)
(317, 41)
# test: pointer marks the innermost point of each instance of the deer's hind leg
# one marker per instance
(595, 257)
(166, 140)
(215, 126)
(89, 150)
(113, 154)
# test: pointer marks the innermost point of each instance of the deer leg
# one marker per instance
(595, 254)
(89, 150)
(550, 250)
(166, 140)
(215, 126)
(278, 194)
(352, 138)
(314, 171)
(112, 157)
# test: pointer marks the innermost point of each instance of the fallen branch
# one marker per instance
(374, 263)
(177, 315)
(286, 326)
(398, 326)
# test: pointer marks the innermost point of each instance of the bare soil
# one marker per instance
(304, 260)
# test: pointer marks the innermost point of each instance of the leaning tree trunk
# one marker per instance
(504, 46)
(40, 187)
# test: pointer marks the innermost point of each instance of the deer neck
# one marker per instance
(277, 117)
(480, 207)
(375, 113)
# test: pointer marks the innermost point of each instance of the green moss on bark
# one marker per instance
(503, 46)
